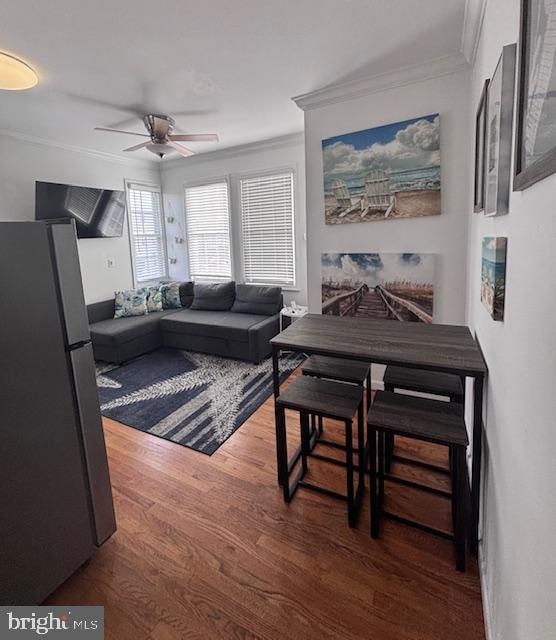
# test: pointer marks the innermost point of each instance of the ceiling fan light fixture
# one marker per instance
(158, 149)
(16, 75)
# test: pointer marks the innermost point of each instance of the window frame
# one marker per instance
(261, 174)
(157, 188)
(201, 183)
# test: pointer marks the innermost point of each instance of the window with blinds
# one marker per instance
(207, 218)
(267, 229)
(147, 232)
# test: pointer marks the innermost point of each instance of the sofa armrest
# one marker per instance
(98, 311)
(260, 335)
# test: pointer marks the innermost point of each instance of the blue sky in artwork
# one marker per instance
(376, 268)
(381, 135)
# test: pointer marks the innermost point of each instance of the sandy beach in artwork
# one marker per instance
(407, 204)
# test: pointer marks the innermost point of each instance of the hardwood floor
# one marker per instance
(206, 548)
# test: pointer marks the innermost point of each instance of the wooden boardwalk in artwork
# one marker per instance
(378, 303)
(372, 306)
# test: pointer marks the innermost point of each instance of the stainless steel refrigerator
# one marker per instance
(55, 494)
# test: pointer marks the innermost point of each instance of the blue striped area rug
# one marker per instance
(192, 399)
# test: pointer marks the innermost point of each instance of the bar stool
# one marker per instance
(342, 370)
(422, 381)
(324, 399)
(430, 421)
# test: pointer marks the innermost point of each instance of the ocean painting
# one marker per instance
(396, 286)
(493, 276)
(383, 173)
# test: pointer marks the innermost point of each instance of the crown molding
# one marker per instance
(472, 26)
(62, 146)
(250, 147)
(400, 77)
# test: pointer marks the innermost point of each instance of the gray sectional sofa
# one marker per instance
(235, 321)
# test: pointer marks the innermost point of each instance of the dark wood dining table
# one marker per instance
(435, 347)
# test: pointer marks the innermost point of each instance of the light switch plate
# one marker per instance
(111, 263)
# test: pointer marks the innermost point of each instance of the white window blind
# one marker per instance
(207, 219)
(147, 232)
(267, 228)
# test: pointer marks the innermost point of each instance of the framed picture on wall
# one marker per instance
(535, 149)
(493, 276)
(384, 173)
(500, 110)
(480, 151)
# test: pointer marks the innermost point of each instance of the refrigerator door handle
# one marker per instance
(83, 366)
(77, 345)
(70, 288)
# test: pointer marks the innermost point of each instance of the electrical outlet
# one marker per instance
(111, 263)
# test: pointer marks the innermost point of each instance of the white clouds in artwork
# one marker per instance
(377, 268)
(417, 145)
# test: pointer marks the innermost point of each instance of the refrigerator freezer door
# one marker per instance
(66, 259)
(82, 363)
(46, 528)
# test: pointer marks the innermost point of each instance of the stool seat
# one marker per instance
(340, 369)
(444, 384)
(324, 397)
(421, 418)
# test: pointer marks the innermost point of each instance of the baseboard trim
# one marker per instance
(489, 633)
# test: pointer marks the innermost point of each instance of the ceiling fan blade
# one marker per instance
(183, 151)
(192, 112)
(194, 137)
(138, 146)
(129, 133)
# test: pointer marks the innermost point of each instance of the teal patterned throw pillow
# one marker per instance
(170, 295)
(154, 299)
(131, 302)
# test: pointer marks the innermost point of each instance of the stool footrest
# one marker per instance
(338, 463)
(421, 464)
(417, 485)
(323, 490)
(418, 525)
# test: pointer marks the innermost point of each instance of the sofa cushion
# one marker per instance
(210, 324)
(170, 292)
(154, 299)
(116, 331)
(218, 296)
(259, 300)
(130, 303)
(186, 294)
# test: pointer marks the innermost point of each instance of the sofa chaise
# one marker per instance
(224, 319)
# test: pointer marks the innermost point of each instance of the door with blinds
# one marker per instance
(267, 220)
(147, 232)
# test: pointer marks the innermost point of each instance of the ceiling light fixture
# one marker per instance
(15, 74)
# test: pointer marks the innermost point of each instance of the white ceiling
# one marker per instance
(237, 63)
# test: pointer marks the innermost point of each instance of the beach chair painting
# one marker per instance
(387, 172)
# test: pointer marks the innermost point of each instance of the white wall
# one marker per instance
(280, 153)
(22, 162)
(519, 508)
(443, 235)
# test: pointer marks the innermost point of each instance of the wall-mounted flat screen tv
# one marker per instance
(98, 213)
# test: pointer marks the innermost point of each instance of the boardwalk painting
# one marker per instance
(397, 286)
(383, 173)
(493, 276)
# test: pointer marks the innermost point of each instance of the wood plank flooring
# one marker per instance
(206, 548)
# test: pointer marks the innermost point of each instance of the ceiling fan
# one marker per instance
(162, 140)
